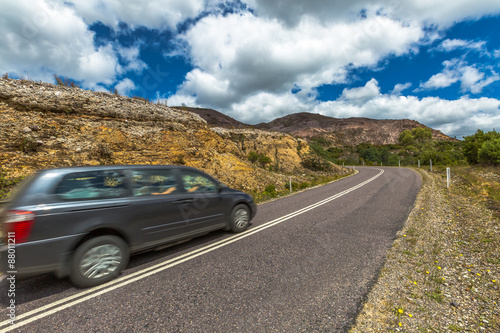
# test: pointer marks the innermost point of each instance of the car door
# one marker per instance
(203, 209)
(84, 201)
(156, 213)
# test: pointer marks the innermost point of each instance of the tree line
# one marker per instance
(413, 146)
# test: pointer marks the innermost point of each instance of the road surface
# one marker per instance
(305, 265)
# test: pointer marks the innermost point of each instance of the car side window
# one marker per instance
(92, 185)
(198, 183)
(153, 182)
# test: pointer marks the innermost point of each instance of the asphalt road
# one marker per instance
(305, 265)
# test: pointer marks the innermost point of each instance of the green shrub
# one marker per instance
(253, 157)
(271, 189)
(489, 153)
(480, 147)
(315, 162)
(263, 160)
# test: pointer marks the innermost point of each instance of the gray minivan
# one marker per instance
(84, 222)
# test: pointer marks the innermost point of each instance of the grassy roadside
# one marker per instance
(442, 272)
(270, 193)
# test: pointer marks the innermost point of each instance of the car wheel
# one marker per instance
(99, 260)
(240, 218)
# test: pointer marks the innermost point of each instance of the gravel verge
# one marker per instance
(442, 272)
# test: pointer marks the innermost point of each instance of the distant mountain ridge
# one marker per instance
(341, 131)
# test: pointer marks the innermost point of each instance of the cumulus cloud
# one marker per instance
(442, 13)
(456, 117)
(152, 14)
(40, 39)
(359, 96)
(264, 106)
(240, 55)
(125, 86)
(248, 64)
(472, 79)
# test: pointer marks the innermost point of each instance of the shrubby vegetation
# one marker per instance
(417, 144)
(413, 145)
(482, 148)
(261, 158)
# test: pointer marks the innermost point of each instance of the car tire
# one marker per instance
(99, 260)
(239, 218)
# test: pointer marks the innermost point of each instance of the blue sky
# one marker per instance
(255, 60)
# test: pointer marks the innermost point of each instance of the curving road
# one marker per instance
(304, 265)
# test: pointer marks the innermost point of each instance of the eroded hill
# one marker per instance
(46, 126)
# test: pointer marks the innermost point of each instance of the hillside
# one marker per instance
(341, 132)
(46, 126)
(348, 131)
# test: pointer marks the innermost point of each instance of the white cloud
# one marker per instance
(456, 117)
(264, 106)
(359, 96)
(131, 56)
(125, 86)
(398, 88)
(440, 80)
(472, 79)
(452, 44)
(438, 12)
(182, 100)
(240, 55)
(453, 117)
(40, 39)
(152, 14)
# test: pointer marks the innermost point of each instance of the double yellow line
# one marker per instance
(49, 309)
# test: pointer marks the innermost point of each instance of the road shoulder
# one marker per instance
(442, 271)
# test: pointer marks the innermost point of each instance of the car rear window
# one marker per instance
(153, 182)
(92, 185)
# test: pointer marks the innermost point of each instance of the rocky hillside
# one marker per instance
(46, 126)
(342, 132)
(348, 131)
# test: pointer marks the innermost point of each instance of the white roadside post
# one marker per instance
(419, 163)
(448, 178)
(290, 184)
(430, 161)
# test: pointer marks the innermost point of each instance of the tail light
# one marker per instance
(18, 224)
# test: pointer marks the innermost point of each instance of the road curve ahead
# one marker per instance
(304, 266)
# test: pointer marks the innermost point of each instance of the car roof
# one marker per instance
(63, 170)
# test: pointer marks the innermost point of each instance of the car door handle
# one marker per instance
(182, 201)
